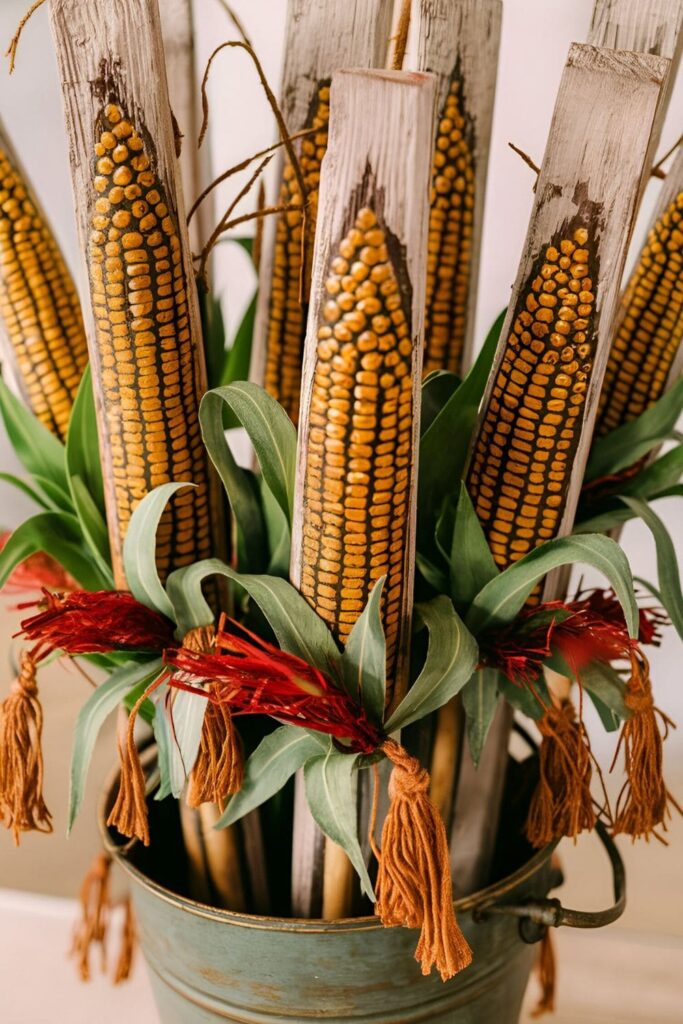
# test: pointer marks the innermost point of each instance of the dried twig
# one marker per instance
(236, 21)
(527, 160)
(11, 51)
(657, 171)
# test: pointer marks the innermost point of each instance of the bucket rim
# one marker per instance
(484, 897)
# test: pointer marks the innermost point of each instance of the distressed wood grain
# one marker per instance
(459, 41)
(320, 38)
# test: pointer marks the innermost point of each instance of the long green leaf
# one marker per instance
(471, 561)
(271, 432)
(480, 699)
(607, 690)
(102, 702)
(437, 388)
(29, 492)
(613, 513)
(274, 761)
(297, 627)
(239, 355)
(187, 718)
(82, 446)
(331, 787)
(139, 550)
(623, 447)
(504, 597)
(57, 534)
(364, 660)
(451, 659)
(37, 449)
(93, 526)
(667, 562)
(213, 333)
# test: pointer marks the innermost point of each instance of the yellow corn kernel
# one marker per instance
(523, 455)
(41, 316)
(651, 328)
(359, 440)
(148, 371)
(287, 315)
(449, 259)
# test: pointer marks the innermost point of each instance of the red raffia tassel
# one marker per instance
(644, 802)
(36, 573)
(91, 929)
(562, 804)
(414, 886)
(546, 971)
(97, 622)
(22, 806)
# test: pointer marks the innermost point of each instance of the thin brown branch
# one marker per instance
(236, 21)
(657, 171)
(527, 160)
(79, 668)
(11, 51)
(225, 219)
(257, 247)
(254, 215)
(240, 167)
(401, 37)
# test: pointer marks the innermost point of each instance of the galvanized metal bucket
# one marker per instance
(210, 965)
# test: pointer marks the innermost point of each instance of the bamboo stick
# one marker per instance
(458, 40)
(321, 37)
(354, 514)
(598, 155)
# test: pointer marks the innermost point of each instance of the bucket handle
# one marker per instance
(536, 916)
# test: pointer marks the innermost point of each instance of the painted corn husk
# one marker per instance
(41, 326)
(459, 41)
(537, 417)
(354, 515)
(144, 331)
(321, 37)
(646, 348)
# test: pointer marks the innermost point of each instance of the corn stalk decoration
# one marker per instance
(41, 327)
(320, 38)
(532, 443)
(354, 513)
(459, 41)
(144, 329)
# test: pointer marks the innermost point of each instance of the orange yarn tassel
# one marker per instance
(129, 815)
(546, 971)
(124, 964)
(643, 803)
(414, 879)
(219, 768)
(22, 806)
(562, 804)
(95, 905)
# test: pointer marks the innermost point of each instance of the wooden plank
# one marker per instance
(177, 26)
(459, 41)
(586, 202)
(111, 63)
(321, 37)
(354, 508)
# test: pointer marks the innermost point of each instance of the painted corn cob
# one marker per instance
(321, 37)
(459, 41)
(145, 335)
(40, 316)
(531, 445)
(647, 339)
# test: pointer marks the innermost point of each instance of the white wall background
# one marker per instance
(536, 37)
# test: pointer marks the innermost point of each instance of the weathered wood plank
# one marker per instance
(542, 396)
(321, 37)
(459, 41)
(354, 509)
(143, 326)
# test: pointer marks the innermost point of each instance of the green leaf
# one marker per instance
(622, 447)
(499, 602)
(213, 333)
(521, 697)
(105, 699)
(331, 787)
(296, 626)
(239, 357)
(444, 447)
(364, 660)
(480, 699)
(239, 486)
(667, 563)
(271, 432)
(58, 498)
(163, 737)
(93, 527)
(139, 550)
(279, 534)
(664, 472)
(607, 690)
(274, 761)
(451, 659)
(82, 445)
(187, 718)
(26, 489)
(471, 561)
(37, 449)
(437, 388)
(57, 534)
(613, 513)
